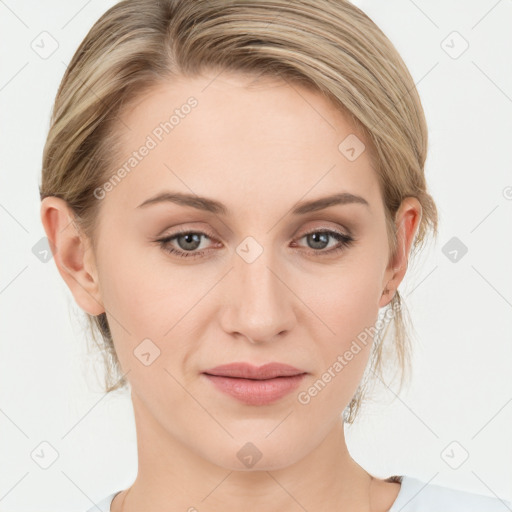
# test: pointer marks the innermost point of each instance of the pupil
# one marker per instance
(321, 238)
(189, 239)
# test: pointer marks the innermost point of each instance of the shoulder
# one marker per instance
(104, 504)
(418, 496)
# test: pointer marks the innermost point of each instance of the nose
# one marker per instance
(260, 304)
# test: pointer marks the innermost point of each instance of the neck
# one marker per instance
(173, 476)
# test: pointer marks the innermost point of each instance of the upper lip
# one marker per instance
(249, 371)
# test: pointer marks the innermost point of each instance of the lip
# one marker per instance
(254, 385)
(249, 371)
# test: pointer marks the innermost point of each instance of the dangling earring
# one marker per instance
(345, 414)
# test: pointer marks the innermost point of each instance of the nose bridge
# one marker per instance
(261, 305)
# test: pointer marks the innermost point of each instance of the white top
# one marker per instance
(414, 496)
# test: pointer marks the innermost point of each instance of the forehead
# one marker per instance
(241, 141)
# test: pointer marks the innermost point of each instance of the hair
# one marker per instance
(329, 46)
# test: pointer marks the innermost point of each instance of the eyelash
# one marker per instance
(345, 240)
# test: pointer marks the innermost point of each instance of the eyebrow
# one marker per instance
(216, 207)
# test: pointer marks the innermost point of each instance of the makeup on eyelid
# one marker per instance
(344, 241)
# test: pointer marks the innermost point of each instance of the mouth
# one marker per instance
(255, 386)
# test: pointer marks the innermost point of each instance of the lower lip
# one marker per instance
(256, 392)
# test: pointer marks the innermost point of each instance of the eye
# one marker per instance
(187, 240)
(190, 241)
(320, 239)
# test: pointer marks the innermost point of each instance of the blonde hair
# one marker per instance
(329, 46)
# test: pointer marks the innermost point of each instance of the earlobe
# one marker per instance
(72, 255)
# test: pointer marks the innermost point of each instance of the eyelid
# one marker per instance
(344, 242)
(327, 228)
(205, 231)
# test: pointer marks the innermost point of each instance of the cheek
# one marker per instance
(130, 294)
(149, 298)
(346, 310)
(138, 289)
(345, 299)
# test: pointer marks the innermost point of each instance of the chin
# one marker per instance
(256, 454)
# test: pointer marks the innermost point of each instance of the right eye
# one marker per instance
(188, 240)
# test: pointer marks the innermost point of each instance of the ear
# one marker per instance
(72, 254)
(407, 220)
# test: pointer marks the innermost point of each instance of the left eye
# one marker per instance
(320, 238)
(189, 241)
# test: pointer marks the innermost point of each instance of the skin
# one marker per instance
(259, 150)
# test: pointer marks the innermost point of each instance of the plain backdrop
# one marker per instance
(459, 403)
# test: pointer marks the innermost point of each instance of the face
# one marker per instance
(249, 274)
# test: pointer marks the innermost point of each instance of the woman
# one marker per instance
(234, 190)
